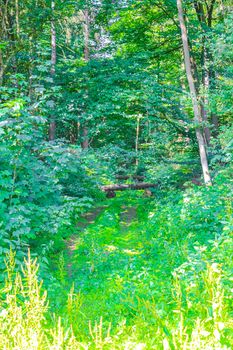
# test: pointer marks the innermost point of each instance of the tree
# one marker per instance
(86, 35)
(52, 124)
(204, 12)
(196, 107)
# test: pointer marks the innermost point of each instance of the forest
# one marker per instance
(116, 174)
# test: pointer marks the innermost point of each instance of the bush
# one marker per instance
(37, 182)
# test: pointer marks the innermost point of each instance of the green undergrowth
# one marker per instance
(143, 273)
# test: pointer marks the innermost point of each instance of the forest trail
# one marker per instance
(105, 253)
(126, 215)
(85, 220)
(109, 262)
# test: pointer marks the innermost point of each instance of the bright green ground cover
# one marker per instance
(146, 276)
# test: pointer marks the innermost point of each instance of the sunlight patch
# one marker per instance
(111, 248)
(131, 252)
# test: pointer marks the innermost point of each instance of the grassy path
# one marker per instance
(123, 263)
(86, 220)
(109, 261)
(103, 234)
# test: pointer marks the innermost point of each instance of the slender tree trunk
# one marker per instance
(1, 68)
(204, 13)
(30, 69)
(85, 141)
(53, 41)
(86, 33)
(17, 17)
(212, 81)
(197, 116)
(214, 119)
(52, 125)
(204, 99)
(182, 85)
(137, 139)
(68, 33)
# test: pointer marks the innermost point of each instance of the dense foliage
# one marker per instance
(101, 92)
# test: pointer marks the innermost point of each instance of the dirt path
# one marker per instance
(126, 213)
(87, 219)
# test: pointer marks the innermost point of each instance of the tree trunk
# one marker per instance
(1, 68)
(204, 13)
(137, 139)
(214, 117)
(204, 99)
(86, 34)
(17, 17)
(196, 111)
(85, 141)
(52, 125)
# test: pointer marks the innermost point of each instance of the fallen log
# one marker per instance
(126, 177)
(122, 187)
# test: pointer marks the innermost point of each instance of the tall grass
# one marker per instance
(198, 318)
